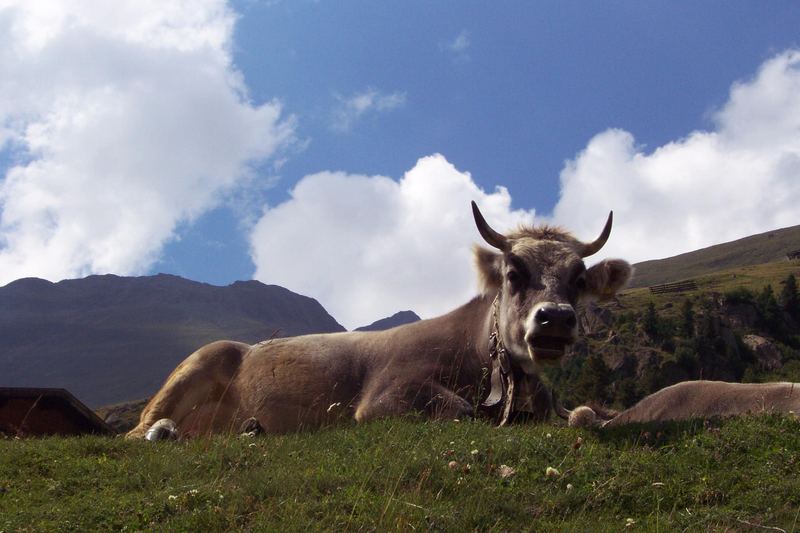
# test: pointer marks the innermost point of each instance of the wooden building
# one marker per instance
(35, 412)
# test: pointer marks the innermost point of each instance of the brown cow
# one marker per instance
(438, 366)
(696, 399)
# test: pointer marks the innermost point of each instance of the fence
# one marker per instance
(680, 286)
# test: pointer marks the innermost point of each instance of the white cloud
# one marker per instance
(458, 47)
(368, 246)
(124, 119)
(460, 43)
(741, 178)
(355, 107)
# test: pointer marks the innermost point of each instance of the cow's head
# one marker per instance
(540, 277)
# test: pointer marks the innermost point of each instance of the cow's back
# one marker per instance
(301, 382)
(706, 399)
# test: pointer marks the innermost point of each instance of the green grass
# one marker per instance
(766, 247)
(753, 278)
(394, 475)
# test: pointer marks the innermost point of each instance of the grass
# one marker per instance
(753, 278)
(394, 475)
(756, 249)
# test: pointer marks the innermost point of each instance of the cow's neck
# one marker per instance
(514, 383)
(473, 324)
(464, 334)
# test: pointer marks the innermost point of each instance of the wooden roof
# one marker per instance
(33, 412)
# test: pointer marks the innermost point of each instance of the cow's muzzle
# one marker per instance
(551, 328)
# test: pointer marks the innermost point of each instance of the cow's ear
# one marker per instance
(490, 265)
(607, 278)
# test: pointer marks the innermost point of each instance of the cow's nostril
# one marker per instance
(542, 317)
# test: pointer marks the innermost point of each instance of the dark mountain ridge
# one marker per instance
(397, 319)
(111, 338)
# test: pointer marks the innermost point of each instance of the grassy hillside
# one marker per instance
(756, 249)
(395, 475)
(751, 277)
(737, 325)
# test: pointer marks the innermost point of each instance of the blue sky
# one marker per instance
(297, 141)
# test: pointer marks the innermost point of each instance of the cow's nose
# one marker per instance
(552, 320)
(552, 315)
(551, 328)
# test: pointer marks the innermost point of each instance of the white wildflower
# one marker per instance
(505, 471)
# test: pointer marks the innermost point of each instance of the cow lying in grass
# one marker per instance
(480, 358)
(695, 399)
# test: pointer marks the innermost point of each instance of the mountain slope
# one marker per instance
(756, 249)
(110, 338)
(397, 319)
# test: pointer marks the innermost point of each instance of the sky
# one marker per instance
(333, 147)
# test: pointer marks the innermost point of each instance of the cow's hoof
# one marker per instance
(251, 427)
(164, 429)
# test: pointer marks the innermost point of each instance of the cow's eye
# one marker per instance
(514, 278)
(581, 283)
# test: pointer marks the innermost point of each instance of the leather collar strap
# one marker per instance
(502, 377)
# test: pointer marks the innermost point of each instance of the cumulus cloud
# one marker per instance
(368, 246)
(740, 178)
(121, 120)
(353, 108)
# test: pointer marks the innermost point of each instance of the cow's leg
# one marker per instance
(432, 399)
(197, 395)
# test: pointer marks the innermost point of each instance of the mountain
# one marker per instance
(108, 338)
(756, 249)
(397, 319)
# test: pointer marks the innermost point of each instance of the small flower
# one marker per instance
(549, 436)
(569, 487)
(505, 471)
(630, 522)
(551, 472)
(172, 497)
(474, 452)
(452, 465)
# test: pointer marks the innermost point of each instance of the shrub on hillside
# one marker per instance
(740, 295)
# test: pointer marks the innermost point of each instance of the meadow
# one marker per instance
(408, 474)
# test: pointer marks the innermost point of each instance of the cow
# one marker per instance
(482, 358)
(699, 399)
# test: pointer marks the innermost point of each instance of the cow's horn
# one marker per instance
(489, 235)
(594, 247)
